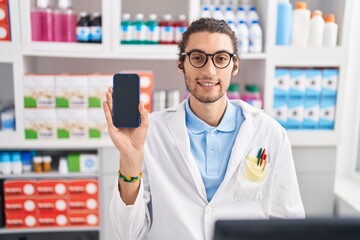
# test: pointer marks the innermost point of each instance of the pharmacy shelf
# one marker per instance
(313, 138)
(53, 49)
(159, 52)
(48, 229)
(50, 175)
(18, 143)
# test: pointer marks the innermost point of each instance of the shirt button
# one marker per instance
(212, 151)
(212, 133)
(208, 209)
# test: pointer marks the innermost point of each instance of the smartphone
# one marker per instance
(126, 98)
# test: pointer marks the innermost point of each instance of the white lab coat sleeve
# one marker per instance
(285, 199)
(131, 222)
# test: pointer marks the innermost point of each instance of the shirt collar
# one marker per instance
(197, 126)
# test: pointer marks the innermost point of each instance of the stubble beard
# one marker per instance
(201, 97)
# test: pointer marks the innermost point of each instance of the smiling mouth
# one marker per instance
(207, 84)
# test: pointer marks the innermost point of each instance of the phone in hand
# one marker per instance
(126, 98)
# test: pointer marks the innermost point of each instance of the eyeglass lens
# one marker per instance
(220, 60)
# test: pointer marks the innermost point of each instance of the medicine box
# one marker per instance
(39, 91)
(98, 85)
(297, 84)
(71, 91)
(281, 84)
(40, 124)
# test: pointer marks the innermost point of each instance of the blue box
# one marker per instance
(295, 114)
(327, 114)
(280, 112)
(313, 84)
(281, 84)
(329, 84)
(297, 84)
(311, 114)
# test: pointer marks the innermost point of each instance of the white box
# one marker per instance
(311, 114)
(40, 123)
(295, 114)
(71, 91)
(297, 83)
(72, 123)
(39, 91)
(97, 123)
(281, 84)
(327, 115)
(329, 84)
(98, 85)
(313, 84)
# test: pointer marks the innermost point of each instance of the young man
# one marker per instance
(204, 160)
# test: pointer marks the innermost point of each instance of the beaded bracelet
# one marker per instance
(129, 179)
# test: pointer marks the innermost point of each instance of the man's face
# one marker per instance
(208, 83)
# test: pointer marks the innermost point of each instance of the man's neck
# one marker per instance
(211, 113)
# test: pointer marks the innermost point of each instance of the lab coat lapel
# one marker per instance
(177, 128)
(242, 142)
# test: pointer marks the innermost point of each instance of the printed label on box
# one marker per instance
(297, 84)
(97, 88)
(295, 114)
(19, 205)
(83, 186)
(72, 124)
(281, 84)
(97, 124)
(280, 112)
(71, 91)
(313, 84)
(19, 188)
(20, 220)
(40, 124)
(311, 114)
(39, 91)
(52, 188)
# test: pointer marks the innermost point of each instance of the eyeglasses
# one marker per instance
(198, 58)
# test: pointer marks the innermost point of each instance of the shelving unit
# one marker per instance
(26, 56)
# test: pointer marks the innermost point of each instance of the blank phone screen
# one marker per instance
(126, 97)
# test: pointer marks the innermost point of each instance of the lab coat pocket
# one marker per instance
(251, 180)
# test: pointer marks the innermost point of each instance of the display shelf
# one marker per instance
(49, 175)
(48, 229)
(159, 52)
(18, 143)
(313, 138)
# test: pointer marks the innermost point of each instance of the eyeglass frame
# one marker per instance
(231, 55)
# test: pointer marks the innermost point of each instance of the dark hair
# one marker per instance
(206, 25)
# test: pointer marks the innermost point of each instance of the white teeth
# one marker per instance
(207, 84)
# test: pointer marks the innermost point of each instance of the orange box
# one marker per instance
(52, 220)
(146, 87)
(19, 188)
(14, 220)
(80, 187)
(5, 32)
(4, 14)
(87, 203)
(20, 205)
(4, 2)
(53, 188)
(52, 205)
(84, 219)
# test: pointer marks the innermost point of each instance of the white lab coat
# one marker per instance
(172, 202)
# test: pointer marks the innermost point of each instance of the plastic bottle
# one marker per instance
(232, 26)
(42, 22)
(6, 163)
(330, 31)
(252, 95)
(139, 33)
(83, 28)
(205, 12)
(316, 32)
(255, 37)
(252, 16)
(47, 163)
(96, 28)
(26, 161)
(229, 14)
(240, 15)
(16, 163)
(233, 92)
(126, 29)
(217, 14)
(64, 22)
(152, 30)
(166, 30)
(180, 27)
(284, 23)
(63, 166)
(37, 161)
(243, 37)
(300, 25)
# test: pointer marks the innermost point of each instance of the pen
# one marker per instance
(262, 156)
(259, 156)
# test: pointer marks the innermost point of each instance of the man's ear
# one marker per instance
(236, 67)
(180, 67)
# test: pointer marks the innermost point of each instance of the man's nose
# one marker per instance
(209, 68)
